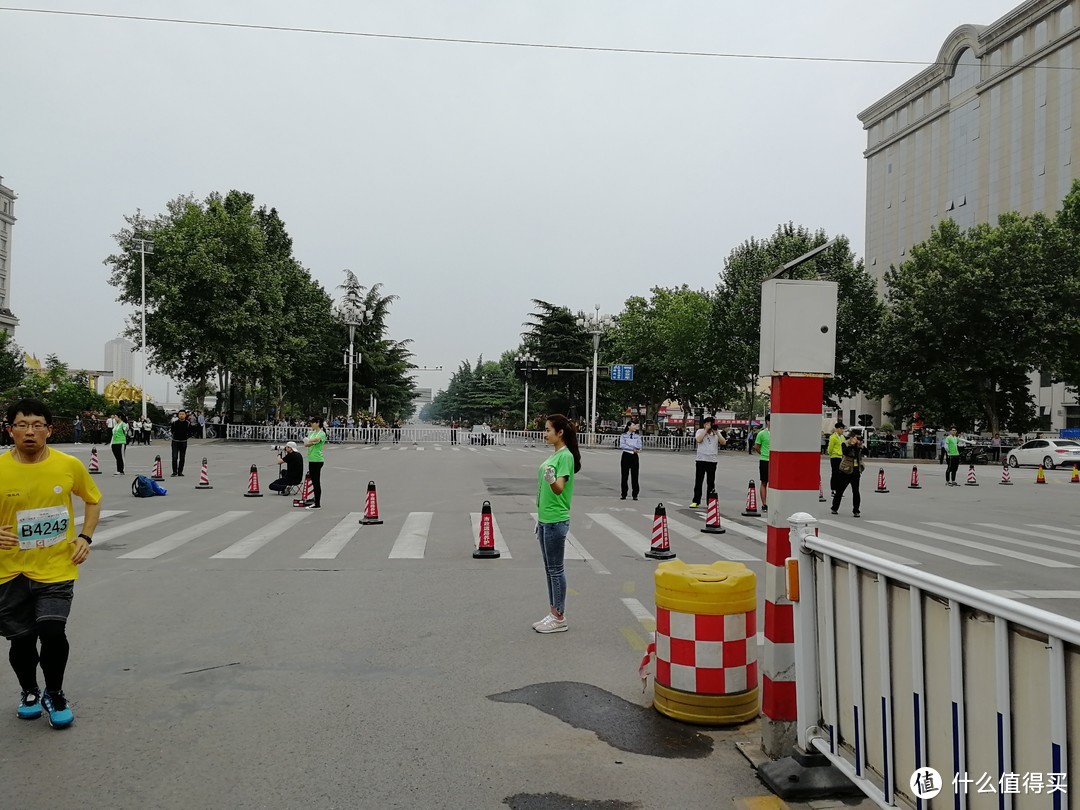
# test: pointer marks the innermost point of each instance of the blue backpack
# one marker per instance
(143, 487)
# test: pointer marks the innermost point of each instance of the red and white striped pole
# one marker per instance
(794, 475)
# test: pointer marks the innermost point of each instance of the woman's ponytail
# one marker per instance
(560, 423)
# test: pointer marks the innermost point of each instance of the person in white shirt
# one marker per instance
(708, 441)
(630, 444)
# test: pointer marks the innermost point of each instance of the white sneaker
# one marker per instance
(552, 625)
(546, 617)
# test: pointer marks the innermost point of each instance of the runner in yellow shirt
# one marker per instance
(836, 453)
(39, 556)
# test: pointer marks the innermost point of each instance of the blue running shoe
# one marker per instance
(30, 708)
(56, 705)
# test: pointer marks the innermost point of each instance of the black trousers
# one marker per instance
(630, 464)
(179, 453)
(843, 480)
(954, 465)
(704, 470)
(118, 454)
(835, 473)
(315, 471)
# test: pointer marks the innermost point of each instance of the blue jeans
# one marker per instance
(552, 537)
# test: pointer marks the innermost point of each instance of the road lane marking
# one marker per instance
(637, 543)
(244, 548)
(710, 543)
(177, 539)
(411, 541)
(576, 551)
(103, 536)
(959, 541)
(334, 540)
(1044, 535)
(910, 544)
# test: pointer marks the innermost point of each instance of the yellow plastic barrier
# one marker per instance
(706, 643)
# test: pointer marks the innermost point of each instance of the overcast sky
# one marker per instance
(466, 179)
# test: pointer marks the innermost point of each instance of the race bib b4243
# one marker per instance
(41, 528)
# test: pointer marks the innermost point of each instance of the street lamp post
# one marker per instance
(595, 325)
(144, 246)
(353, 317)
(528, 359)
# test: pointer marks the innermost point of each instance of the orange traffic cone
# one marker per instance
(253, 484)
(1005, 475)
(712, 516)
(486, 547)
(156, 475)
(914, 477)
(94, 468)
(881, 481)
(371, 507)
(307, 493)
(1075, 476)
(751, 502)
(971, 482)
(204, 477)
(1041, 477)
(661, 540)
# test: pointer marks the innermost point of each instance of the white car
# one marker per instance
(1049, 453)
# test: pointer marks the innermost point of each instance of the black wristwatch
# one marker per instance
(89, 540)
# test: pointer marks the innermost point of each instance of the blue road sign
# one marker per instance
(622, 373)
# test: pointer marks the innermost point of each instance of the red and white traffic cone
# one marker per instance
(751, 502)
(1041, 477)
(156, 474)
(914, 478)
(204, 477)
(971, 482)
(661, 540)
(94, 468)
(307, 493)
(643, 667)
(485, 549)
(253, 484)
(820, 493)
(1075, 476)
(371, 507)
(712, 516)
(1005, 480)
(881, 481)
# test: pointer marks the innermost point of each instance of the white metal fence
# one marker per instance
(901, 670)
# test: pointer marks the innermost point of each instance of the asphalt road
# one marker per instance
(236, 652)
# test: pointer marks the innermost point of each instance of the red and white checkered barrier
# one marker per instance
(706, 655)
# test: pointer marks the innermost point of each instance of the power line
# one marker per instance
(492, 42)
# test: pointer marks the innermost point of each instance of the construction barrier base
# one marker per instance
(706, 710)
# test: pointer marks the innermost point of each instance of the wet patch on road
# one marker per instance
(556, 801)
(621, 724)
(510, 486)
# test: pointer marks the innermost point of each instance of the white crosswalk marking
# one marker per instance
(438, 447)
(1004, 552)
(335, 540)
(103, 536)
(1053, 528)
(412, 539)
(762, 537)
(242, 549)
(908, 543)
(105, 513)
(636, 542)
(1045, 534)
(709, 542)
(576, 551)
(177, 539)
(1043, 561)
(1038, 594)
(641, 613)
(500, 544)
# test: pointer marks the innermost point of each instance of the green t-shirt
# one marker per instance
(552, 508)
(951, 448)
(119, 434)
(763, 443)
(314, 451)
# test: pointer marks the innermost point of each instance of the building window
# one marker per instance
(1065, 21)
(965, 75)
(1041, 34)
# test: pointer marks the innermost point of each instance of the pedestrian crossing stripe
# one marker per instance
(177, 539)
(103, 537)
(411, 541)
(576, 551)
(908, 543)
(242, 549)
(1002, 552)
(1003, 538)
(335, 540)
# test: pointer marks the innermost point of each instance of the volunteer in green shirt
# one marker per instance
(314, 444)
(836, 452)
(119, 442)
(952, 456)
(554, 491)
(762, 444)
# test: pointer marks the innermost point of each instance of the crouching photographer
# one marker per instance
(291, 465)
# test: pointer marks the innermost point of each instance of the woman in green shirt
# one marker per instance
(554, 491)
(119, 442)
(314, 444)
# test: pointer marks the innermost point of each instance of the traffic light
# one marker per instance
(866, 420)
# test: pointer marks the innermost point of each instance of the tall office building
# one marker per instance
(986, 130)
(8, 321)
(119, 360)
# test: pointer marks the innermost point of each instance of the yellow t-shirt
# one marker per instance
(49, 483)
(836, 445)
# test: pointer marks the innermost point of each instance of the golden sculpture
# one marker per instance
(122, 389)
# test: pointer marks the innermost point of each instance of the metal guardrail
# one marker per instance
(901, 670)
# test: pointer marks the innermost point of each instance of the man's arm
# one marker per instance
(82, 548)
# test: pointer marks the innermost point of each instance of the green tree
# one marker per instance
(12, 367)
(966, 323)
(1064, 257)
(552, 334)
